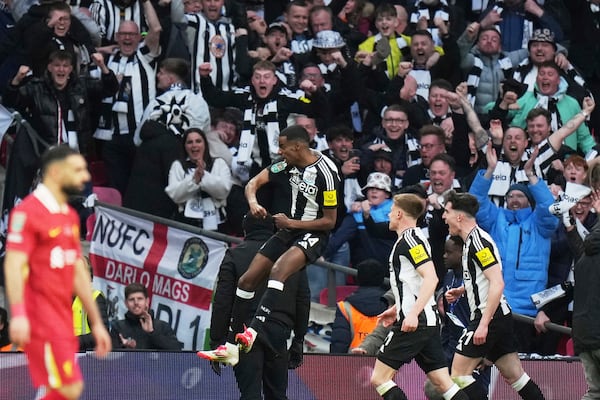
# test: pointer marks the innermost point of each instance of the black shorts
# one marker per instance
(500, 339)
(312, 244)
(423, 345)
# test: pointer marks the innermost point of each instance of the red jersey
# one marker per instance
(49, 235)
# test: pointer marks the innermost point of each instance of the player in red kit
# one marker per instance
(44, 270)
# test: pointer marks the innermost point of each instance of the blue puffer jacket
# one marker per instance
(523, 238)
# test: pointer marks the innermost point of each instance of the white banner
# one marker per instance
(178, 268)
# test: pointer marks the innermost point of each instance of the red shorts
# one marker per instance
(53, 363)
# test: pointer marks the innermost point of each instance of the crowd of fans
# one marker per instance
(181, 103)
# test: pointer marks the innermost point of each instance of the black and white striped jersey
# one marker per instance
(479, 253)
(213, 43)
(109, 16)
(313, 187)
(411, 251)
(137, 87)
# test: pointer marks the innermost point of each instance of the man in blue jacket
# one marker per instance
(523, 231)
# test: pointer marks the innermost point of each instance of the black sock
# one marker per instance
(269, 300)
(460, 395)
(531, 391)
(240, 313)
(394, 393)
(475, 391)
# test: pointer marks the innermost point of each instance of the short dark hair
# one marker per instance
(442, 84)
(550, 64)
(55, 154)
(316, 9)
(536, 112)
(445, 158)
(337, 131)
(423, 32)
(464, 202)
(397, 108)
(295, 133)
(297, 3)
(385, 9)
(135, 288)
(59, 6)
(177, 66)
(434, 130)
(61, 55)
(410, 203)
(456, 240)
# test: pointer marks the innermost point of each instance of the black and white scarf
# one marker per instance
(435, 120)
(549, 103)
(475, 74)
(267, 121)
(422, 9)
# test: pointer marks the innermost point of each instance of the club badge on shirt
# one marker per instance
(217, 46)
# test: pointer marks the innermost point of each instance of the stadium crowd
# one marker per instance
(178, 104)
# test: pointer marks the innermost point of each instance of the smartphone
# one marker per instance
(355, 153)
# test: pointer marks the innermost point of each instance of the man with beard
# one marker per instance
(139, 329)
(43, 269)
(485, 64)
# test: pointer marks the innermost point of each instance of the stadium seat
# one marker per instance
(106, 195)
(569, 347)
(341, 292)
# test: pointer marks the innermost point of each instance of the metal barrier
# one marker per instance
(332, 268)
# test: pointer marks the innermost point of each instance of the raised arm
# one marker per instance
(154, 28)
(556, 139)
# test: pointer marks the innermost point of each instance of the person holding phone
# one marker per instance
(139, 329)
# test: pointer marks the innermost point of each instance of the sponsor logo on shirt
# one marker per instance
(418, 253)
(329, 198)
(485, 257)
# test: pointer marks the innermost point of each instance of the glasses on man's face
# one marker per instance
(396, 121)
(127, 34)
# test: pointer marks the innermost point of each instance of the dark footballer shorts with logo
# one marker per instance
(423, 345)
(312, 244)
(500, 338)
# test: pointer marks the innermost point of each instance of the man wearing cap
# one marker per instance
(276, 40)
(523, 232)
(340, 74)
(366, 224)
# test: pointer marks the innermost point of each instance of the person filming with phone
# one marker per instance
(139, 330)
